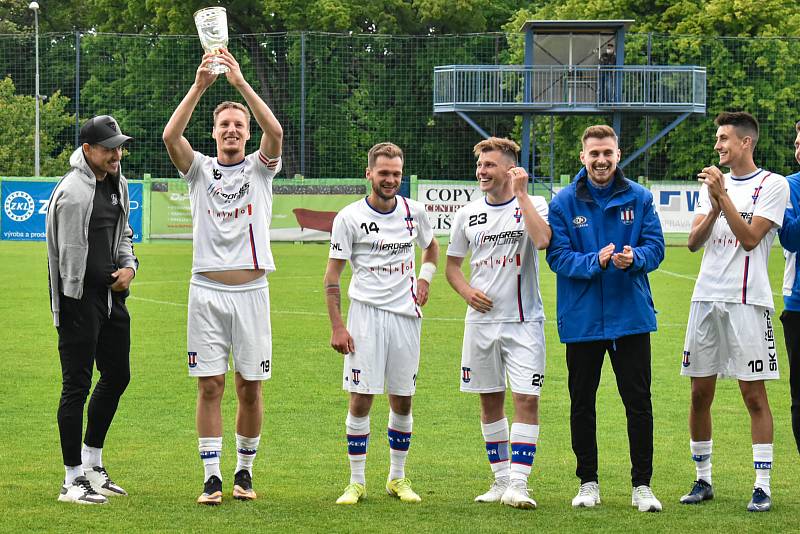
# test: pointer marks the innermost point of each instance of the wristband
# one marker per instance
(426, 271)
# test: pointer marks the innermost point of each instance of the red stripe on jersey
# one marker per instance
(414, 296)
(519, 290)
(249, 209)
(253, 248)
(744, 280)
(270, 163)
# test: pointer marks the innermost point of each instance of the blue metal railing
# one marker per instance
(515, 88)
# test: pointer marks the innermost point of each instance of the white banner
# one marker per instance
(675, 205)
(443, 200)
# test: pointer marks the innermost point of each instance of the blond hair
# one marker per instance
(599, 131)
(387, 150)
(231, 105)
(507, 147)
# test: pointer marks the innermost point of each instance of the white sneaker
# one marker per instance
(644, 499)
(80, 492)
(588, 495)
(495, 492)
(516, 496)
(101, 483)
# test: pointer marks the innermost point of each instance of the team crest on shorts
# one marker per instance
(685, 362)
(356, 376)
(465, 374)
(192, 359)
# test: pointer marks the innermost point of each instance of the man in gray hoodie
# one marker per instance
(90, 267)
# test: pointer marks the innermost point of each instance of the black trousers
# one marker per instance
(791, 334)
(87, 335)
(630, 359)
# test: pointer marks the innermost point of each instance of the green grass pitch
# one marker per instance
(302, 466)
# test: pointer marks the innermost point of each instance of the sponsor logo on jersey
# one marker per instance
(392, 248)
(192, 359)
(217, 174)
(336, 246)
(216, 191)
(686, 358)
(626, 215)
(356, 376)
(579, 221)
(465, 374)
(503, 238)
(19, 206)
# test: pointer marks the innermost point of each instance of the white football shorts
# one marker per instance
(729, 339)
(386, 355)
(497, 354)
(229, 319)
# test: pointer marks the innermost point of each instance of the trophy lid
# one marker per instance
(208, 10)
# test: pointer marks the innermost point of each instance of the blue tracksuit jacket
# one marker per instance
(790, 239)
(593, 303)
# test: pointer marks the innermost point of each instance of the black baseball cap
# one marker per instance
(102, 130)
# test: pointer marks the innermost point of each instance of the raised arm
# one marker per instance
(272, 138)
(178, 147)
(537, 228)
(341, 340)
(749, 235)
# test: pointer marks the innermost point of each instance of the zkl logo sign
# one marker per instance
(19, 206)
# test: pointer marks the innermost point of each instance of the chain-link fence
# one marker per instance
(336, 95)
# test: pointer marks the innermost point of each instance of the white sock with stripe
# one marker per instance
(496, 437)
(762, 462)
(246, 449)
(210, 452)
(357, 440)
(399, 432)
(523, 449)
(701, 454)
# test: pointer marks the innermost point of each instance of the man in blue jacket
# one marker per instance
(790, 239)
(606, 238)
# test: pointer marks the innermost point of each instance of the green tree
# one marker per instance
(17, 115)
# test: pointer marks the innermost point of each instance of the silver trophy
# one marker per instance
(212, 27)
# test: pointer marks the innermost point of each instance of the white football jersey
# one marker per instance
(729, 273)
(504, 263)
(380, 247)
(231, 212)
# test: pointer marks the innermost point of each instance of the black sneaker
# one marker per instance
(761, 502)
(243, 486)
(80, 492)
(701, 491)
(102, 484)
(212, 492)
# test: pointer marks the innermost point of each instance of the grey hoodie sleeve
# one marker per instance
(125, 256)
